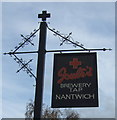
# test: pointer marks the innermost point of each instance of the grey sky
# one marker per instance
(92, 24)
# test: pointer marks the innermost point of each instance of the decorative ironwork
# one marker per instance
(66, 38)
(23, 64)
(26, 40)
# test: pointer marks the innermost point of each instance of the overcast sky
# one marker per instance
(92, 24)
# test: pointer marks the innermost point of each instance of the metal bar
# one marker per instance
(103, 49)
(10, 53)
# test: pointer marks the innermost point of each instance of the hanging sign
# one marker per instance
(75, 80)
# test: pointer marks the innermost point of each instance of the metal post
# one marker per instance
(40, 66)
(40, 72)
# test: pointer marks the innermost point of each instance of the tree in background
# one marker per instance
(48, 112)
(29, 110)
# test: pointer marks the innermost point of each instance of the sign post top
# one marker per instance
(44, 15)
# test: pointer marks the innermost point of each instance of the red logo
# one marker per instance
(80, 72)
(75, 63)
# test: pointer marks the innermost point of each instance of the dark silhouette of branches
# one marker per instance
(52, 114)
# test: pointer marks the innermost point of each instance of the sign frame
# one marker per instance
(82, 90)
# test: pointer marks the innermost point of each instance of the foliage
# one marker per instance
(52, 114)
(29, 110)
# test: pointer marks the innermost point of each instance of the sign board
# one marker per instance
(75, 80)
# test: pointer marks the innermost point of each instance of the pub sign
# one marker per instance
(75, 80)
